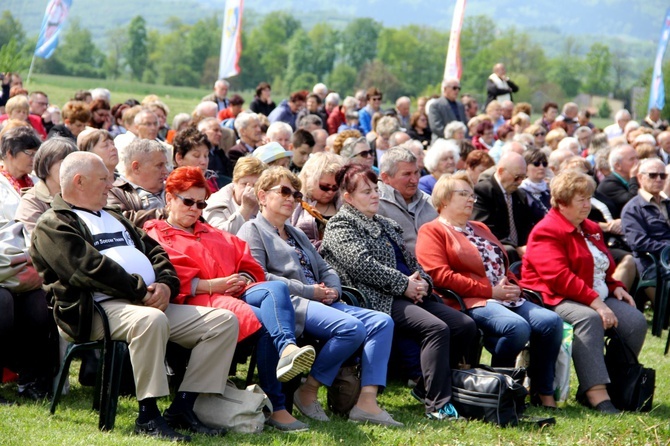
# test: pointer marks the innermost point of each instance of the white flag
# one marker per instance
(453, 67)
(231, 39)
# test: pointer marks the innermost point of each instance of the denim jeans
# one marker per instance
(507, 330)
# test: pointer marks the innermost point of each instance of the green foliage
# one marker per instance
(13, 58)
(604, 111)
(343, 78)
(136, 48)
(359, 41)
(76, 54)
(10, 28)
(300, 62)
(325, 41)
(598, 70)
(376, 74)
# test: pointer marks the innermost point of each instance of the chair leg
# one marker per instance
(62, 376)
(111, 385)
(667, 345)
(660, 308)
(97, 393)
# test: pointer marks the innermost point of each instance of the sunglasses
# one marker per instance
(455, 88)
(375, 99)
(539, 134)
(287, 192)
(654, 175)
(540, 163)
(328, 188)
(188, 202)
(364, 154)
(518, 178)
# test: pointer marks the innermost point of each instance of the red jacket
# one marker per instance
(558, 262)
(454, 263)
(35, 121)
(335, 120)
(209, 253)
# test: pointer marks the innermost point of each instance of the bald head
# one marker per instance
(84, 180)
(500, 70)
(511, 171)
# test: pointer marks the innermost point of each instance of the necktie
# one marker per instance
(513, 236)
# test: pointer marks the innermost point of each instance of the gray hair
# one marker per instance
(569, 143)
(393, 156)
(333, 98)
(139, 147)
(526, 139)
(206, 122)
(403, 99)
(621, 114)
(320, 88)
(583, 130)
(447, 81)
(278, 127)
(222, 82)
(616, 155)
(76, 163)
(50, 152)
(511, 146)
(452, 128)
(649, 161)
(349, 102)
(101, 93)
(387, 126)
(310, 120)
(557, 157)
(350, 144)
(205, 108)
(19, 138)
(437, 151)
(144, 112)
(244, 120)
(180, 119)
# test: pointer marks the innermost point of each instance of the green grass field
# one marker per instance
(76, 424)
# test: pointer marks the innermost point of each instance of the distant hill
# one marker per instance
(637, 22)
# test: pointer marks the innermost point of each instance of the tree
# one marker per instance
(343, 78)
(300, 62)
(359, 41)
(76, 55)
(117, 40)
(12, 58)
(136, 53)
(202, 42)
(566, 69)
(10, 28)
(376, 74)
(604, 110)
(598, 70)
(325, 39)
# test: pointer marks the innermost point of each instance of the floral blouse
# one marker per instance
(304, 259)
(492, 256)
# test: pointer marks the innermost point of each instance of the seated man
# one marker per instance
(645, 217)
(502, 207)
(86, 253)
(621, 185)
(141, 188)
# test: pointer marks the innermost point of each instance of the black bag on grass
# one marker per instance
(632, 385)
(492, 395)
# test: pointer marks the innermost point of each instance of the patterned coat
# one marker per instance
(357, 247)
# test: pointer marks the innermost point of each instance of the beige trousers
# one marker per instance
(210, 333)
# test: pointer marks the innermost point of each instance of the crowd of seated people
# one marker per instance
(216, 232)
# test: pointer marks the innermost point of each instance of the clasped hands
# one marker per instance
(417, 288)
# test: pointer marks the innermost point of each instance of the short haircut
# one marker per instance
(78, 111)
(648, 162)
(616, 155)
(350, 144)
(445, 186)
(17, 139)
(569, 183)
(534, 156)
(262, 86)
(332, 98)
(452, 128)
(187, 140)
(310, 119)
(523, 107)
(549, 105)
(298, 96)
(101, 93)
(142, 113)
(88, 139)
(342, 137)
(350, 175)
(568, 142)
(236, 99)
(314, 96)
(243, 120)
(319, 164)
(128, 116)
(493, 104)
(81, 95)
(272, 176)
(483, 127)
(49, 153)
(372, 92)
(17, 103)
(622, 114)
(246, 166)
(301, 137)
(277, 128)
(141, 147)
(183, 178)
(179, 119)
(439, 149)
(393, 156)
(387, 126)
(477, 158)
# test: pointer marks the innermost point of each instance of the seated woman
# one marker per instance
(18, 147)
(191, 148)
(484, 137)
(321, 195)
(419, 128)
(476, 163)
(287, 255)
(369, 253)
(216, 269)
(535, 185)
(568, 262)
(357, 150)
(441, 158)
(234, 204)
(465, 257)
(101, 143)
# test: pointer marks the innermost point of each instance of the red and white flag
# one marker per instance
(231, 39)
(453, 67)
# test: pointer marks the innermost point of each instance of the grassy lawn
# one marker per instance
(76, 424)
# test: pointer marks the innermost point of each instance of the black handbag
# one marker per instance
(631, 384)
(488, 394)
(344, 392)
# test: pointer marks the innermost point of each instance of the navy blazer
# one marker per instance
(646, 229)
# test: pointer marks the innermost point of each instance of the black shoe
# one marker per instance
(33, 391)
(159, 428)
(189, 420)
(604, 407)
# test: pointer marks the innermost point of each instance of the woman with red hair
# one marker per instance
(216, 269)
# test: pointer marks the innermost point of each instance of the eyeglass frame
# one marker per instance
(470, 195)
(282, 190)
(189, 202)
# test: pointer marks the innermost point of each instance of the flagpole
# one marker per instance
(30, 70)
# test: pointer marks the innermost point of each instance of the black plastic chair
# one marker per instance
(657, 275)
(108, 381)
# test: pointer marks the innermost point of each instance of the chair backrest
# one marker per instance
(352, 296)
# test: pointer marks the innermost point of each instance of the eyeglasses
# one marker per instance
(364, 154)
(287, 192)
(540, 163)
(466, 194)
(30, 152)
(188, 202)
(328, 187)
(538, 134)
(518, 178)
(654, 175)
(455, 88)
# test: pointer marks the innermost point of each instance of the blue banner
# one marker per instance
(54, 18)
(657, 93)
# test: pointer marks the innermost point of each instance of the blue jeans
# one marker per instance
(346, 328)
(507, 330)
(272, 305)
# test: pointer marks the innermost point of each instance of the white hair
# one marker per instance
(202, 125)
(206, 108)
(616, 155)
(277, 128)
(320, 89)
(447, 81)
(569, 143)
(350, 102)
(144, 112)
(622, 114)
(222, 82)
(243, 120)
(333, 98)
(438, 150)
(452, 128)
(73, 164)
(101, 93)
(139, 147)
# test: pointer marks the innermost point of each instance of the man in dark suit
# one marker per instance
(621, 185)
(499, 195)
(446, 109)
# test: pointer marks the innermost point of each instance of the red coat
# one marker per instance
(454, 263)
(558, 262)
(335, 120)
(209, 253)
(35, 121)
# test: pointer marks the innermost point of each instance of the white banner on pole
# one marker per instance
(231, 39)
(453, 68)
